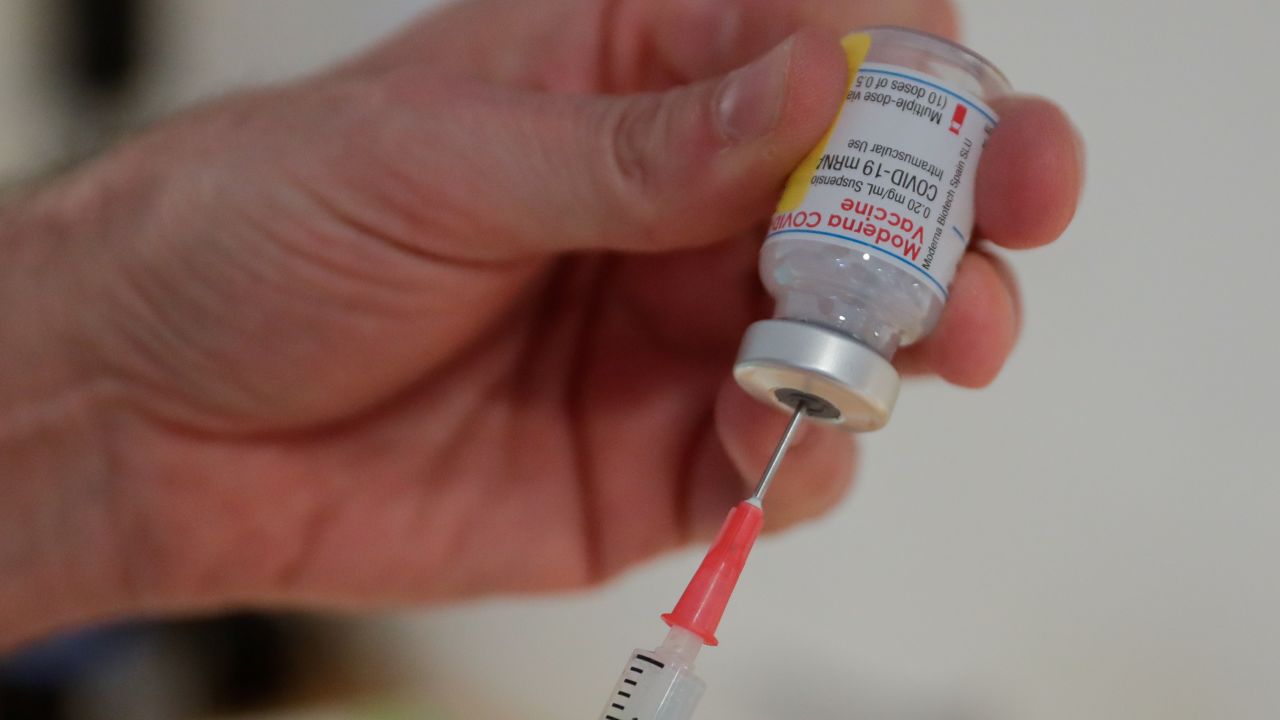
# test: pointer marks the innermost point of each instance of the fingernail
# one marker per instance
(749, 101)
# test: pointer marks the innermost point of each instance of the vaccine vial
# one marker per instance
(871, 227)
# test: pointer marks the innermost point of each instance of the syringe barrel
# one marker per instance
(654, 688)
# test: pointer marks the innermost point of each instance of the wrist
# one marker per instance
(57, 543)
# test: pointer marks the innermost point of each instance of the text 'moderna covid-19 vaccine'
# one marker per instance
(871, 227)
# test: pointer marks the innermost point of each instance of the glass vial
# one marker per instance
(871, 227)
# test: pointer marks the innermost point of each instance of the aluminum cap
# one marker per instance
(780, 359)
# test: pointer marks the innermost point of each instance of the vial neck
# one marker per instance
(853, 319)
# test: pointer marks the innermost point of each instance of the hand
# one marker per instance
(454, 318)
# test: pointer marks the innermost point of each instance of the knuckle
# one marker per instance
(629, 133)
(935, 16)
(633, 134)
(939, 16)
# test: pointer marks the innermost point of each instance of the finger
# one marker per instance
(563, 45)
(1031, 173)
(817, 470)
(522, 174)
(549, 44)
(978, 327)
(699, 38)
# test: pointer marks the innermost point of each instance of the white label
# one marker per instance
(897, 174)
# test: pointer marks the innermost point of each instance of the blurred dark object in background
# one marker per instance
(98, 50)
(159, 670)
(104, 43)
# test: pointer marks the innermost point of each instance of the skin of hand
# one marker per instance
(453, 318)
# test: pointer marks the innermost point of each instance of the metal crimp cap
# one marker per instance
(783, 361)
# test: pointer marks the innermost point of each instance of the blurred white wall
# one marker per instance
(1094, 536)
(24, 144)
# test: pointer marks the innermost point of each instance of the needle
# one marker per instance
(703, 602)
(778, 453)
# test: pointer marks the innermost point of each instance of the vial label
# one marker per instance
(896, 174)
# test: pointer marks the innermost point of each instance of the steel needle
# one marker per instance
(778, 453)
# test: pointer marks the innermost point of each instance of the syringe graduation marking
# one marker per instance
(649, 660)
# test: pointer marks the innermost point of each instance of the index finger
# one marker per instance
(695, 39)
(629, 44)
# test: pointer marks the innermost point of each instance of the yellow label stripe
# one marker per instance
(856, 47)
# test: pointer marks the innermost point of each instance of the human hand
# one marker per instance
(454, 318)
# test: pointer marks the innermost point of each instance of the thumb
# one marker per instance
(540, 173)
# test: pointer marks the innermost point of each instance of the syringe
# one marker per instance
(659, 684)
